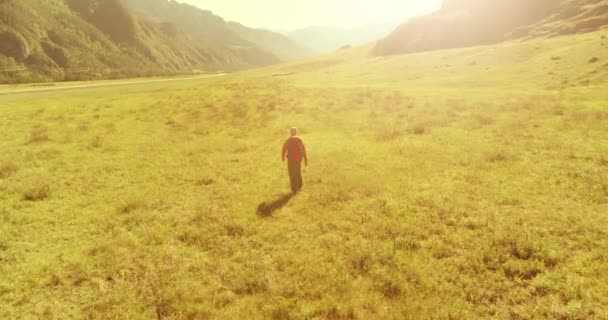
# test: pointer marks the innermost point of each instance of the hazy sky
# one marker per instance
(293, 14)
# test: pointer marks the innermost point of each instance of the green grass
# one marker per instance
(461, 192)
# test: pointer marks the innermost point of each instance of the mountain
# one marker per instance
(206, 27)
(327, 39)
(86, 39)
(464, 23)
(279, 44)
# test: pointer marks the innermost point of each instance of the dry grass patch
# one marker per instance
(96, 142)
(499, 156)
(37, 192)
(7, 169)
(205, 182)
(38, 135)
(130, 205)
(420, 128)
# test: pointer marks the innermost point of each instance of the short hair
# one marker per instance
(293, 131)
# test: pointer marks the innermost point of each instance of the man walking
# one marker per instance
(295, 151)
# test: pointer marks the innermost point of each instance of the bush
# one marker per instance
(131, 204)
(38, 135)
(40, 60)
(12, 44)
(7, 170)
(56, 53)
(419, 128)
(7, 61)
(497, 156)
(37, 193)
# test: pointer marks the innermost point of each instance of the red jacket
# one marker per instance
(294, 149)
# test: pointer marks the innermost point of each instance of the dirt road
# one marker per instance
(99, 85)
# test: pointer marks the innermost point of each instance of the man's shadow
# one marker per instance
(266, 209)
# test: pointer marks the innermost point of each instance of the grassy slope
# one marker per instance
(437, 188)
(573, 16)
(466, 23)
(557, 64)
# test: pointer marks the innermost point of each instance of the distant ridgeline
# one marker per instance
(464, 23)
(44, 40)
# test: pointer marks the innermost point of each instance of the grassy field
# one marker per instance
(455, 184)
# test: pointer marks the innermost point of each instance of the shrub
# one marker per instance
(391, 289)
(96, 142)
(38, 135)
(57, 54)
(224, 298)
(37, 192)
(40, 60)
(522, 269)
(13, 45)
(483, 120)
(205, 182)
(130, 206)
(419, 129)
(389, 134)
(498, 156)
(234, 230)
(7, 170)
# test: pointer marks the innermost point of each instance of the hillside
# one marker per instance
(327, 39)
(464, 23)
(206, 27)
(83, 39)
(560, 64)
(572, 16)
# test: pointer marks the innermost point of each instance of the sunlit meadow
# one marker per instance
(445, 185)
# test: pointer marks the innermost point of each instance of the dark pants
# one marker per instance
(295, 175)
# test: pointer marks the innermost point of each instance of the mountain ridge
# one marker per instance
(322, 39)
(94, 39)
(464, 23)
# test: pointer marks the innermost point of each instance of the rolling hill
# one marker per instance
(82, 39)
(464, 23)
